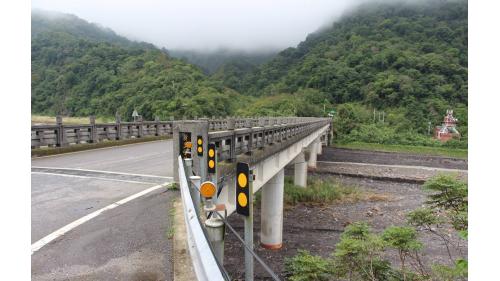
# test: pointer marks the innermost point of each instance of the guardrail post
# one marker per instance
(118, 127)
(215, 230)
(195, 183)
(93, 130)
(61, 134)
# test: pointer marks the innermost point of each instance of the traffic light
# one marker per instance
(211, 159)
(199, 145)
(242, 189)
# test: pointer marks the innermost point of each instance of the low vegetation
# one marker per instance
(45, 119)
(319, 191)
(360, 253)
(425, 150)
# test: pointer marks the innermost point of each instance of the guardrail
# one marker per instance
(203, 259)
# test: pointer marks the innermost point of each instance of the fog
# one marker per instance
(207, 25)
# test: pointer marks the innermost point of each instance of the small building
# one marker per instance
(448, 130)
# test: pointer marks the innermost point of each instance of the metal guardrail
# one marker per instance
(204, 262)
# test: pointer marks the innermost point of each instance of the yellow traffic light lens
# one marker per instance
(200, 150)
(242, 180)
(211, 164)
(242, 199)
(211, 153)
(207, 189)
(199, 142)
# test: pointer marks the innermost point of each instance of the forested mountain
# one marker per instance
(80, 69)
(409, 59)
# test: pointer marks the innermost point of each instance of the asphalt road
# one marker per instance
(129, 241)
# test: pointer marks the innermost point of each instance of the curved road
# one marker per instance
(102, 214)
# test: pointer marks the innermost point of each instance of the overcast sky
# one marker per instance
(208, 24)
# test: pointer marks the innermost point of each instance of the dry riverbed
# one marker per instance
(317, 228)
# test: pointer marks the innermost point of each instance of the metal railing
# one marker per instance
(204, 262)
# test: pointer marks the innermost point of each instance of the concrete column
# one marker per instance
(320, 147)
(313, 153)
(271, 230)
(300, 169)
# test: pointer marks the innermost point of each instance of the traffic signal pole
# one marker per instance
(248, 221)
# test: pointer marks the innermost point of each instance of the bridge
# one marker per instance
(105, 213)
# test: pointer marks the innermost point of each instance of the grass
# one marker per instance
(424, 150)
(44, 119)
(171, 229)
(318, 191)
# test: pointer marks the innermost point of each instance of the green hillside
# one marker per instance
(80, 69)
(409, 60)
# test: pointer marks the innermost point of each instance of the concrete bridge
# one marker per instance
(94, 211)
(267, 146)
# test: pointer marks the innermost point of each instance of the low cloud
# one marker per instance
(208, 25)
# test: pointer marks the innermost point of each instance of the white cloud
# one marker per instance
(209, 24)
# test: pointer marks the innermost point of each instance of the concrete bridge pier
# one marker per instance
(320, 146)
(313, 153)
(300, 170)
(271, 230)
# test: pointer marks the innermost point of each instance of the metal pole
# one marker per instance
(249, 233)
(189, 168)
(195, 187)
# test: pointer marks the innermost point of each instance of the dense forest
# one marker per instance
(404, 59)
(79, 69)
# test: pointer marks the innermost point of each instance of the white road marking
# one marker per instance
(96, 149)
(88, 177)
(396, 166)
(104, 172)
(63, 230)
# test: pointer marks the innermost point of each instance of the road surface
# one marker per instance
(102, 214)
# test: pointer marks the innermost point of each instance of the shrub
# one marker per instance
(317, 191)
(305, 267)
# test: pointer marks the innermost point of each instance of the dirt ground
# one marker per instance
(390, 158)
(318, 228)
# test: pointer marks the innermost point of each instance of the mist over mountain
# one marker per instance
(211, 61)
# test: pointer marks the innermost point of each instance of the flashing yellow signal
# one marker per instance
(207, 189)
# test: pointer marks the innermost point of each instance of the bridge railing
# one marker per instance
(230, 143)
(60, 134)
